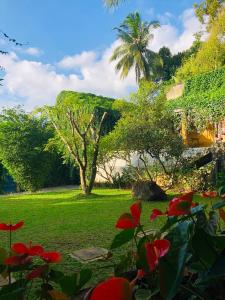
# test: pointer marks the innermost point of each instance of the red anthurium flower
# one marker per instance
(155, 213)
(132, 220)
(17, 260)
(209, 194)
(115, 288)
(51, 257)
(154, 251)
(36, 273)
(11, 227)
(181, 205)
(21, 248)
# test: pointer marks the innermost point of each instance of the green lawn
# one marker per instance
(63, 222)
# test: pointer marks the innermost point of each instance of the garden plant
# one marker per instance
(184, 259)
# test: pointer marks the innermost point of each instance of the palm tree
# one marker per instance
(133, 52)
(112, 3)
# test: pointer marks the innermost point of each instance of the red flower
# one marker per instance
(155, 213)
(115, 288)
(132, 220)
(51, 257)
(36, 273)
(209, 194)
(17, 260)
(11, 227)
(222, 214)
(177, 207)
(154, 251)
(22, 249)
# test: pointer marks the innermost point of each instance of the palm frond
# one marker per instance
(112, 3)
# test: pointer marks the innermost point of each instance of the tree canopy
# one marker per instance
(80, 120)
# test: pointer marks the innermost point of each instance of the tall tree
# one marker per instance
(80, 120)
(133, 52)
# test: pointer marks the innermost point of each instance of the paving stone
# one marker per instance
(89, 254)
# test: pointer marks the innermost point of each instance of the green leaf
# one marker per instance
(122, 238)
(14, 291)
(69, 284)
(218, 204)
(84, 276)
(171, 266)
(214, 245)
(221, 190)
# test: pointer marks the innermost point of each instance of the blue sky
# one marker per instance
(70, 41)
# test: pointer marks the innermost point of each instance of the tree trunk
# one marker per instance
(83, 181)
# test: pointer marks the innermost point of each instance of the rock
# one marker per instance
(148, 191)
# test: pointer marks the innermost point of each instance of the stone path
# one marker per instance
(89, 254)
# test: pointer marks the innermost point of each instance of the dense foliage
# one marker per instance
(147, 130)
(204, 98)
(22, 142)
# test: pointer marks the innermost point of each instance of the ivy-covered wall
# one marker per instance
(203, 98)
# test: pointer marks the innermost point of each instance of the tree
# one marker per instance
(80, 120)
(148, 130)
(112, 3)
(133, 52)
(207, 10)
(211, 54)
(22, 142)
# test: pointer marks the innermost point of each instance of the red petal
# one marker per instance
(17, 260)
(36, 250)
(17, 226)
(112, 289)
(209, 194)
(20, 248)
(136, 211)
(37, 273)
(155, 213)
(126, 221)
(162, 247)
(151, 256)
(4, 226)
(51, 257)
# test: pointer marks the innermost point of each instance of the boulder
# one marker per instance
(148, 191)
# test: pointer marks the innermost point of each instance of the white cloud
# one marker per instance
(33, 83)
(169, 36)
(78, 60)
(33, 51)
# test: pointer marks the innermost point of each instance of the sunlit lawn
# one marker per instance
(63, 222)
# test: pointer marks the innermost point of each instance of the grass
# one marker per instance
(63, 221)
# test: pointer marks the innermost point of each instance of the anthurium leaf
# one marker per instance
(84, 276)
(122, 238)
(171, 266)
(214, 245)
(218, 204)
(215, 272)
(56, 275)
(69, 284)
(14, 291)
